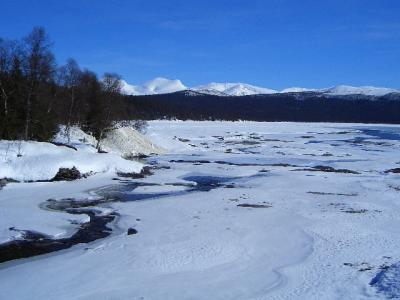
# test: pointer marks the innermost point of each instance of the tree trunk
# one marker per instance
(5, 98)
(5, 122)
(50, 106)
(69, 121)
(28, 113)
(104, 127)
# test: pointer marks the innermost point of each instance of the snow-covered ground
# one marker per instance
(236, 210)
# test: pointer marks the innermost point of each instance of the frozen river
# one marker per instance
(236, 210)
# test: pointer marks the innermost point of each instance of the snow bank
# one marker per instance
(128, 142)
(31, 161)
(26, 161)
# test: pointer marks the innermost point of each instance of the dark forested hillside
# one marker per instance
(307, 107)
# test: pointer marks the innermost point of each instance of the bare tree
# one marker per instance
(4, 72)
(111, 86)
(38, 67)
(10, 63)
(71, 75)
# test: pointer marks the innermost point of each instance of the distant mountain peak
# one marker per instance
(233, 89)
(157, 85)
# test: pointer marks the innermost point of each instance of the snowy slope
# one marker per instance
(296, 90)
(232, 89)
(363, 90)
(158, 85)
(128, 142)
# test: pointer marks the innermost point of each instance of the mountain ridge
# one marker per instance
(162, 85)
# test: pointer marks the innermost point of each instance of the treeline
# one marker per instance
(302, 107)
(37, 95)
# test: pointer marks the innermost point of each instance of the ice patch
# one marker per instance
(387, 282)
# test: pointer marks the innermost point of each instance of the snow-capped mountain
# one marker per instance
(232, 89)
(296, 90)
(164, 86)
(158, 85)
(363, 90)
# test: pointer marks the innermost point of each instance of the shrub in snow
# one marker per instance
(141, 126)
(138, 125)
(132, 231)
(67, 174)
(395, 170)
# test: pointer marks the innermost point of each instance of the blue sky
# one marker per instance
(271, 43)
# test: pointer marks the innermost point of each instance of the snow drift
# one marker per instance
(128, 142)
(31, 161)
